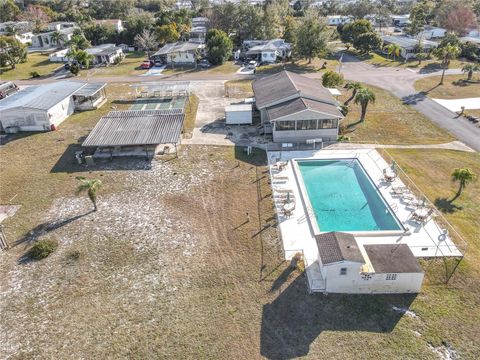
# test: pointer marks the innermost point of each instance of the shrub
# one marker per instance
(34, 74)
(73, 256)
(344, 109)
(41, 249)
(75, 69)
(331, 79)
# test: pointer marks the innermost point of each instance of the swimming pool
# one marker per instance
(343, 197)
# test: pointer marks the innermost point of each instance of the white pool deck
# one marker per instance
(425, 240)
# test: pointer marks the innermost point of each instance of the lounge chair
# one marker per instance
(389, 175)
(398, 190)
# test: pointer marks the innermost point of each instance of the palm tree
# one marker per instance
(91, 187)
(445, 54)
(364, 97)
(57, 37)
(463, 176)
(11, 30)
(355, 86)
(469, 70)
(393, 50)
(146, 41)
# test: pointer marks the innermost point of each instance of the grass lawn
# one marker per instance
(389, 121)
(35, 62)
(300, 66)
(451, 310)
(239, 88)
(129, 66)
(228, 67)
(183, 260)
(190, 115)
(454, 87)
(426, 65)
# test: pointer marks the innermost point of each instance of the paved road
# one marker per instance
(400, 82)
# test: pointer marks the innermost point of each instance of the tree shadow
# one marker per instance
(257, 157)
(295, 319)
(45, 228)
(446, 206)
(414, 99)
(430, 68)
(462, 83)
(282, 278)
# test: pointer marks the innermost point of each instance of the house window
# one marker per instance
(327, 124)
(391, 277)
(306, 124)
(285, 125)
(343, 271)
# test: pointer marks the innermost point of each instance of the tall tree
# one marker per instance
(311, 37)
(91, 187)
(12, 51)
(469, 69)
(290, 30)
(218, 45)
(354, 86)
(111, 9)
(418, 19)
(463, 176)
(331, 79)
(445, 54)
(367, 42)
(146, 41)
(349, 32)
(167, 33)
(8, 10)
(37, 16)
(57, 38)
(459, 20)
(364, 97)
(393, 50)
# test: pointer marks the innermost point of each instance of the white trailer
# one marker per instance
(238, 114)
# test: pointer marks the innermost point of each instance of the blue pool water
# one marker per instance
(344, 198)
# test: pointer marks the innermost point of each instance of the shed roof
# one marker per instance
(286, 84)
(406, 42)
(89, 89)
(471, 39)
(338, 246)
(41, 97)
(392, 258)
(124, 128)
(238, 107)
(177, 47)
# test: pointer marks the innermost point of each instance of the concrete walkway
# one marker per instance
(456, 104)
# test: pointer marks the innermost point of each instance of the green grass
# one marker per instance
(129, 66)
(449, 312)
(454, 87)
(389, 121)
(35, 62)
(190, 115)
(228, 67)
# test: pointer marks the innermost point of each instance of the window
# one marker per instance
(343, 271)
(391, 277)
(307, 125)
(285, 125)
(327, 124)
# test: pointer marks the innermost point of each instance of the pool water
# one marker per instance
(344, 198)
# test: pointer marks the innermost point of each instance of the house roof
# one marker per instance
(406, 42)
(300, 104)
(104, 49)
(392, 258)
(337, 246)
(177, 47)
(41, 97)
(285, 85)
(267, 45)
(471, 39)
(124, 128)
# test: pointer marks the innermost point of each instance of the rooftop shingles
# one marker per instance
(392, 258)
(337, 246)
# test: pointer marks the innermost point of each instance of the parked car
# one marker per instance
(67, 66)
(252, 64)
(204, 64)
(147, 64)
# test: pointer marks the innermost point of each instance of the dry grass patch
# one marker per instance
(389, 121)
(129, 66)
(190, 114)
(239, 88)
(35, 62)
(454, 87)
(300, 66)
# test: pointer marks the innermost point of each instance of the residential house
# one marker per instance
(183, 53)
(349, 267)
(295, 108)
(472, 40)
(198, 34)
(266, 51)
(22, 29)
(200, 21)
(335, 20)
(408, 45)
(105, 53)
(43, 41)
(44, 107)
(116, 23)
(60, 25)
(432, 32)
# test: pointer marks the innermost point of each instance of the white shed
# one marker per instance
(238, 114)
